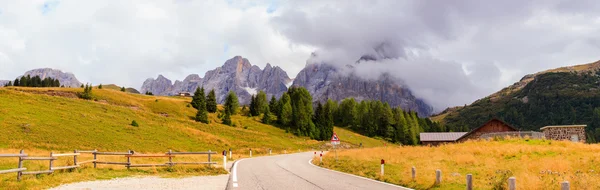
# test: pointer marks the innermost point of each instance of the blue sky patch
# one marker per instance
(48, 6)
(272, 7)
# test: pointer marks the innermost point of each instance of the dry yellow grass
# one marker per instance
(536, 164)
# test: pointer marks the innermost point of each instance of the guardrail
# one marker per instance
(20, 170)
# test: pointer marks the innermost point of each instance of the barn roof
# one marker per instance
(445, 136)
(493, 119)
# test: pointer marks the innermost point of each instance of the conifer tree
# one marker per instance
(198, 97)
(273, 104)
(16, 83)
(231, 103)
(253, 106)
(202, 114)
(227, 119)
(122, 89)
(261, 102)
(284, 114)
(211, 102)
(267, 117)
(100, 86)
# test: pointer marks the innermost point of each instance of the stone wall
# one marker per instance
(564, 133)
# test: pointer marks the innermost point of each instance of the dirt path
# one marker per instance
(150, 183)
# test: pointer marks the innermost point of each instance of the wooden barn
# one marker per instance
(492, 126)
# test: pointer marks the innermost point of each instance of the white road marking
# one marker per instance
(235, 179)
(310, 162)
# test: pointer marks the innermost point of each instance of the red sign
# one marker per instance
(335, 139)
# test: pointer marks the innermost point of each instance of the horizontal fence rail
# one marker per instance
(20, 170)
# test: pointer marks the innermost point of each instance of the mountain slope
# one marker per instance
(324, 82)
(237, 74)
(54, 119)
(568, 95)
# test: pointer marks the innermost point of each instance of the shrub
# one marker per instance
(87, 92)
(134, 123)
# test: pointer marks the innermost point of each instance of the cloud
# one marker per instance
(125, 42)
(450, 53)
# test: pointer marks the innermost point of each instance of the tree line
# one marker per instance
(35, 81)
(295, 113)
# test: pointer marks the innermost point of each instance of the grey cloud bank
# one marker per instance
(448, 52)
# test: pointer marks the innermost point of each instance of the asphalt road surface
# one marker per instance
(293, 171)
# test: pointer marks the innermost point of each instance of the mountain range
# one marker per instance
(322, 80)
(237, 74)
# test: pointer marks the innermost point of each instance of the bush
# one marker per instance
(134, 123)
(87, 92)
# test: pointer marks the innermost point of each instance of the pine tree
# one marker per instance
(9, 83)
(82, 86)
(253, 106)
(202, 114)
(231, 103)
(302, 112)
(198, 97)
(122, 89)
(100, 86)
(24, 81)
(261, 102)
(267, 116)
(273, 104)
(16, 83)
(211, 102)
(227, 118)
(285, 110)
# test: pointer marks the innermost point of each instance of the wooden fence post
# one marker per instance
(75, 158)
(565, 185)
(469, 182)
(512, 183)
(250, 153)
(170, 158)
(129, 160)
(20, 173)
(95, 151)
(438, 177)
(51, 160)
(209, 165)
(230, 154)
(414, 173)
(269, 152)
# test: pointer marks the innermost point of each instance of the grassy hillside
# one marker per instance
(41, 120)
(115, 87)
(536, 164)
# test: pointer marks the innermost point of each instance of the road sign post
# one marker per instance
(335, 140)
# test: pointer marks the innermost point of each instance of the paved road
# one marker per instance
(293, 171)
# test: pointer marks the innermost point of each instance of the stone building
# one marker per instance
(575, 133)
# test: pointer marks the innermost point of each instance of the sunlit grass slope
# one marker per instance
(536, 164)
(41, 120)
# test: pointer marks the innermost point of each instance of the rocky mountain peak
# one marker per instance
(236, 74)
(66, 79)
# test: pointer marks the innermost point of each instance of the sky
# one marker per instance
(447, 52)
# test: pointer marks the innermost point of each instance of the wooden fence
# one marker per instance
(20, 170)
